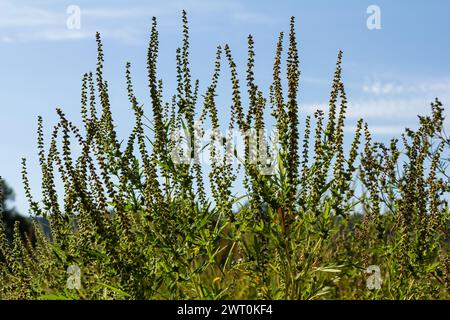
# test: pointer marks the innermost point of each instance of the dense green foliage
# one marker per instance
(141, 226)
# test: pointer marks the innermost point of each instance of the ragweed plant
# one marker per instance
(134, 217)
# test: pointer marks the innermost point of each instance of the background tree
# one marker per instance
(9, 214)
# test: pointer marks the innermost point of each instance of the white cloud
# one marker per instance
(59, 35)
(394, 99)
(384, 116)
(5, 39)
(391, 130)
(16, 15)
(392, 106)
(25, 23)
(119, 13)
(387, 88)
(379, 108)
(39, 22)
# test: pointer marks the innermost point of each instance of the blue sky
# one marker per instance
(391, 74)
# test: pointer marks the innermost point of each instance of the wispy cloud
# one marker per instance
(385, 116)
(386, 104)
(25, 23)
(58, 35)
(390, 109)
(37, 21)
(14, 15)
(388, 88)
(390, 130)
(119, 13)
